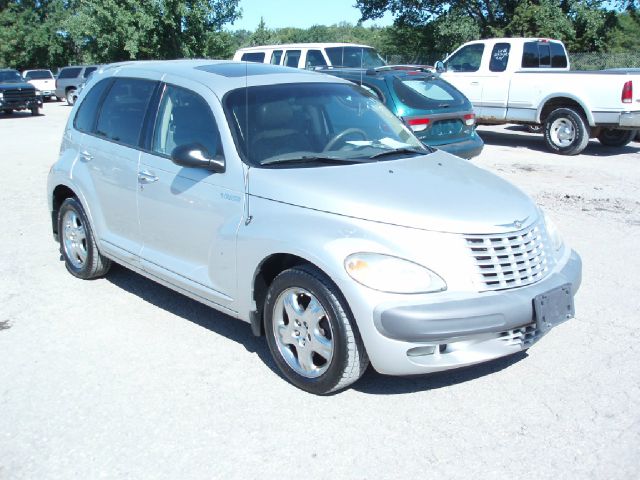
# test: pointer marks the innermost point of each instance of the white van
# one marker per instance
(313, 55)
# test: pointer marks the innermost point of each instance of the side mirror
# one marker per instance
(439, 66)
(194, 155)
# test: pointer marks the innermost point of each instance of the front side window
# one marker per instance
(354, 57)
(184, 117)
(467, 59)
(123, 110)
(257, 57)
(85, 120)
(499, 57)
(314, 124)
(275, 57)
(292, 58)
(315, 59)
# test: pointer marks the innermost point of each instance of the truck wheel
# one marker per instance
(77, 244)
(34, 111)
(614, 137)
(311, 333)
(71, 96)
(7, 111)
(566, 132)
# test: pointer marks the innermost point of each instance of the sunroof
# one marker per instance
(242, 69)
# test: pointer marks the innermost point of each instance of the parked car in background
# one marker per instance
(313, 55)
(528, 81)
(43, 80)
(300, 204)
(16, 94)
(70, 79)
(439, 114)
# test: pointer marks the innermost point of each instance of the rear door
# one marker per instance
(189, 216)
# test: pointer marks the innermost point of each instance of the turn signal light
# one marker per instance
(627, 92)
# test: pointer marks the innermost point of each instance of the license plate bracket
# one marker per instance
(553, 307)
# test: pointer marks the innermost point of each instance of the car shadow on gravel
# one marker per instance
(516, 138)
(18, 115)
(377, 384)
(191, 310)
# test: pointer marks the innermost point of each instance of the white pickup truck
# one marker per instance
(528, 81)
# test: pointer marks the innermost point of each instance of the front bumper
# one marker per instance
(455, 333)
(22, 104)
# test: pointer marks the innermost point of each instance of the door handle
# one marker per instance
(85, 156)
(146, 177)
(475, 83)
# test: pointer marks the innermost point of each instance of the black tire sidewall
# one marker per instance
(579, 124)
(85, 271)
(69, 97)
(323, 289)
(625, 137)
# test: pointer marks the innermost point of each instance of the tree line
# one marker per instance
(54, 33)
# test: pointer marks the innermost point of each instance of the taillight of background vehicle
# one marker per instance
(627, 92)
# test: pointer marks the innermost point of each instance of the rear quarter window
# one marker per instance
(86, 117)
(70, 72)
(427, 93)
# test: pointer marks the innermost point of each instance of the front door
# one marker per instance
(189, 217)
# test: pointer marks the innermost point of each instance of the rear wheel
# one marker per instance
(71, 96)
(311, 333)
(77, 244)
(566, 132)
(613, 137)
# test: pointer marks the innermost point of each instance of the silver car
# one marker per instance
(298, 203)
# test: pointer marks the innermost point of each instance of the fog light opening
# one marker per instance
(422, 351)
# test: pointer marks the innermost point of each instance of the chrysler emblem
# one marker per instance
(517, 224)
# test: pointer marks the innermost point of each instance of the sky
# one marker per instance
(300, 13)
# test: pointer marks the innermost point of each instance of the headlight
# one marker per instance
(553, 233)
(38, 92)
(1, 95)
(392, 274)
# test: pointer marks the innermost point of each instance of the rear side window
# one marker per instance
(88, 71)
(85, 120)
(184, 117)
(426, 93)
(499, 57)
(257, 57)
(124, 109)
(467, 59)
(275, 57)
(315, 59)
(292, 58)
(72, 72)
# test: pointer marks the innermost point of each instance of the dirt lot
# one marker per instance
(122, 378)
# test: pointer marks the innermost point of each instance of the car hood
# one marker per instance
(436, 192)
(16, 85)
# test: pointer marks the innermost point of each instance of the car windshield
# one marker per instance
(10, 76)
(354, 57)
(311, 124)
(38, 75)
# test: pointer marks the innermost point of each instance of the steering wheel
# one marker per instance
(341, 136)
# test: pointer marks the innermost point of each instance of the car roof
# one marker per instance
(317, 45)
(221, 76)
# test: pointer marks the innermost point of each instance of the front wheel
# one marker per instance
(566, 132)
(77, 244)
(7, 111)
(71, 96)
(311, 333)
(613, 137)
(34, 111)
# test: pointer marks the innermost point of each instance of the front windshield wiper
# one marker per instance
(402, 151)
(309, 159)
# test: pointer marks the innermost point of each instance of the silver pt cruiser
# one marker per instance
(298, 203)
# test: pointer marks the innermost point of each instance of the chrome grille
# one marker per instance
(18, 95)
(510, 260)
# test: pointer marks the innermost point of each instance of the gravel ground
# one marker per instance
(122, 378)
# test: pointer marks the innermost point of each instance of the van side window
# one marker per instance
(71, 72)
(184, 117)
(253, 57)
(275, 57)
(292, 58)
(124, 109)
(88, 71)
(499, 57)
(467, 59)
(85, 120)
(315, 59)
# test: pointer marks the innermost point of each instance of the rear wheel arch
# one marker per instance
(562, 102)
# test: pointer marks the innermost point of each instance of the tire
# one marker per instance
(34, 111)
(535, 128)
(77, 243)
(328, 341)
(7, 111)
(71, 96)
(638, 136)
(613, 137)
(566, 132)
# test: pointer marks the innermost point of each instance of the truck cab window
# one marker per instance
(467, 59)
